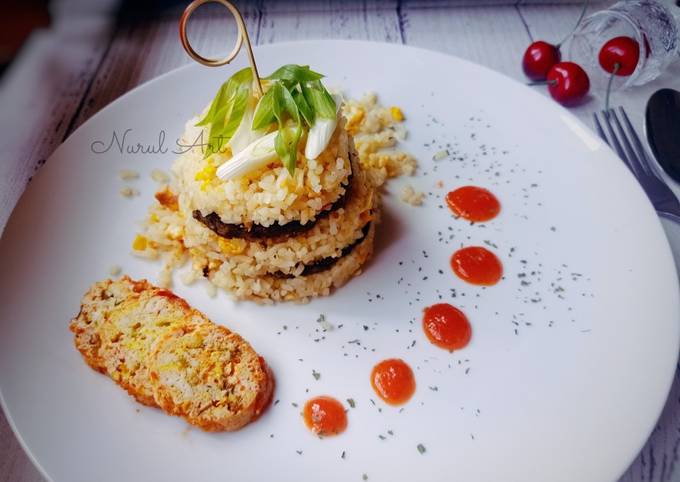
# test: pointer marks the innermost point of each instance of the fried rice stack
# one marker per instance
(269, 236)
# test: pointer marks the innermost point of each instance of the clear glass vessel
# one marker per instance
(649, 22)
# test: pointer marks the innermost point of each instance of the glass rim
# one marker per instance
(639, 36)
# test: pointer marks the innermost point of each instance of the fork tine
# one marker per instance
(598, 126)
(612, 136)
(633, 159)
(639, 148)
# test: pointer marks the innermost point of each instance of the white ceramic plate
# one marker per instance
(563, 380)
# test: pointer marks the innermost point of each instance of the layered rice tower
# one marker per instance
(270, 232)
(275, 236)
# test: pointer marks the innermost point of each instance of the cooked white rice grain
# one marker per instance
(128, 192)
(160, 176)
(128, 174)
(411, 196)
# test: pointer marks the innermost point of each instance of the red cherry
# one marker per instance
(568, 83)
(538, 58)
(623, 52)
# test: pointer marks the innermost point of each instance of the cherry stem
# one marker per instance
(542, 82)
(617, 66)
(578, 22)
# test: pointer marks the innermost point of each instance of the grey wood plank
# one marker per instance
(492, 36)
(15, 466)
(552, 23)
(40, 94)
(659, 458)
(326, 6)
(542, 23)
(477, 3)
(143, 49)
(333, 21)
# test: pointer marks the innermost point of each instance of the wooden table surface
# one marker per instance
(92, 55)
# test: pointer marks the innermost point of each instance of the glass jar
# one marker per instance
(649, 22)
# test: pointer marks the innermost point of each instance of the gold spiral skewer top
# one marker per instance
(242, 35)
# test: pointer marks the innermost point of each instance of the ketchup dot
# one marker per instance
(324, 415)
(477, 266)
(446, 326)
(393, 381)
(473, 203)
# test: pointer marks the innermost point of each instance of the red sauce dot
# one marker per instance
(325, 416)
(446, 326)
(477, 266)
(393, 381)
(473, 203)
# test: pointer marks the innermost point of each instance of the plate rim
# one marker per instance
(546, 103)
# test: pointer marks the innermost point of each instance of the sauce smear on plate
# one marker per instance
(325, 416)
(473, 203)
(446, 326)
(477, 266)
(393, 381)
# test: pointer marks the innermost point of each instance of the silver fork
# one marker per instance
(627, 145)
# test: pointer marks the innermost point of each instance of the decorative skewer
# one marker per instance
(242, 35)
